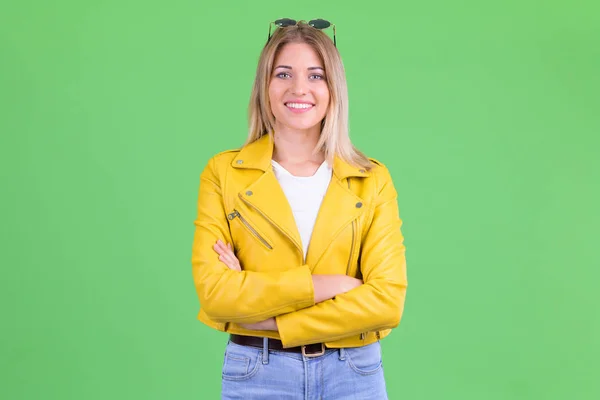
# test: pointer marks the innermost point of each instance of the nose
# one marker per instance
(298, 87)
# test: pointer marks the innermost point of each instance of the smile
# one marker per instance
(299, 107)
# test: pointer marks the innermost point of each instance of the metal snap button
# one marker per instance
(240, 161)
(249, 193)
(358, 205)
(362, 171)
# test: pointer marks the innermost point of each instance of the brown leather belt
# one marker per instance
(310, 350)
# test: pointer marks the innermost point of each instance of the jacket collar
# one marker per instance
(258, 155)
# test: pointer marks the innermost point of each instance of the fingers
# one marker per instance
(222, 249)
(226, 255)
(227, 259)
(225, 249)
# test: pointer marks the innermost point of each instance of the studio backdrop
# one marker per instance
(485, 113)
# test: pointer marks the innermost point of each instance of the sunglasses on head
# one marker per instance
(315, 23)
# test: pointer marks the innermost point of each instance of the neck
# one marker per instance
(296, 146)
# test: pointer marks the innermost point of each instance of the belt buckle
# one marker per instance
(303, 348)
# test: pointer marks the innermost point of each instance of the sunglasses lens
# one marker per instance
(285, 22)
(319, 23)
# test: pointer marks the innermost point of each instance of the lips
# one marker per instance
(299, 107)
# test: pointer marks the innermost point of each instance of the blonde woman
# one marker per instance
(298, 253)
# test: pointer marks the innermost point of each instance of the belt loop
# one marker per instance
(265, 352)
(342, 354)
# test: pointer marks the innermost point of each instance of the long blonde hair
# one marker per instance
(334, 139)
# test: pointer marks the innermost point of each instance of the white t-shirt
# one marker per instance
(305, 194)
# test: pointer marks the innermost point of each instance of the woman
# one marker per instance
(297, 252)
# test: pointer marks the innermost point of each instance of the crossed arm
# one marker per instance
(303, 308)
(375, 305)
(325, 286)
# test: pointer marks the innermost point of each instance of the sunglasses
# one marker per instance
(315, 23)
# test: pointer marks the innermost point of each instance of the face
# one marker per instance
(298, 89)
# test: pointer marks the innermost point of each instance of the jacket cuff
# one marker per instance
(300, 287)
(288, 330)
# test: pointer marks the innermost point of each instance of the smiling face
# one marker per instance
(298, 89)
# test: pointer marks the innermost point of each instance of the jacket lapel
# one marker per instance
(267, 197)
(265, 193)
(340, 205)
(339, 208)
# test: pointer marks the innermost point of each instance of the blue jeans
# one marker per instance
(250, 373)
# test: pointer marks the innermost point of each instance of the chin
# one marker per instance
(299, 124)
(305, 126)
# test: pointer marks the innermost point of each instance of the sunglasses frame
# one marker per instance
(315, 23)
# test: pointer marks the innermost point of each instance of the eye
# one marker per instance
(282, 75)
(317, 77)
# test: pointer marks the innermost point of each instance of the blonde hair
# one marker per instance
(334, 139)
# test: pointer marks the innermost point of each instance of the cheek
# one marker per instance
(272, 95)
(323, 91)
(276, 88)
(274, 98)
(324, 96)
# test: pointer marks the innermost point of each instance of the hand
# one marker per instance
(266, 325)
(349, 283)
(328, 286)
(226, 255)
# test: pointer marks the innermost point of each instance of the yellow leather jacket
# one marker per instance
(357, 232)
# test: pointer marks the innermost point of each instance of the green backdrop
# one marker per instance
(486, 113)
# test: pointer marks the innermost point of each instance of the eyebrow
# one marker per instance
(309, 68)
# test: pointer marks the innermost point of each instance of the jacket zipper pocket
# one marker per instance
(354, 228)
(351, 248)
(235, 214)
(298, 246)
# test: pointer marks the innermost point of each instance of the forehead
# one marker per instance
(298, 55)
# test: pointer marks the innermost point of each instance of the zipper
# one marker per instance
(278, 228)
(351, 249)
(236, 213)
(363, 335)
(353, 239)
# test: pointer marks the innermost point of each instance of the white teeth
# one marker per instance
(298, 105)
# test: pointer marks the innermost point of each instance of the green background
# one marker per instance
(486, 113)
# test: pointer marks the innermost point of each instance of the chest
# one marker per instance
(262, 221)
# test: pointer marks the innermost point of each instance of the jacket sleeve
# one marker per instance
(232, 296)
(378, 303)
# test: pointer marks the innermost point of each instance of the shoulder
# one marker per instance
(376, 163)
(219, 162)
(382, 178)
(379, 171)
(225, 157)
